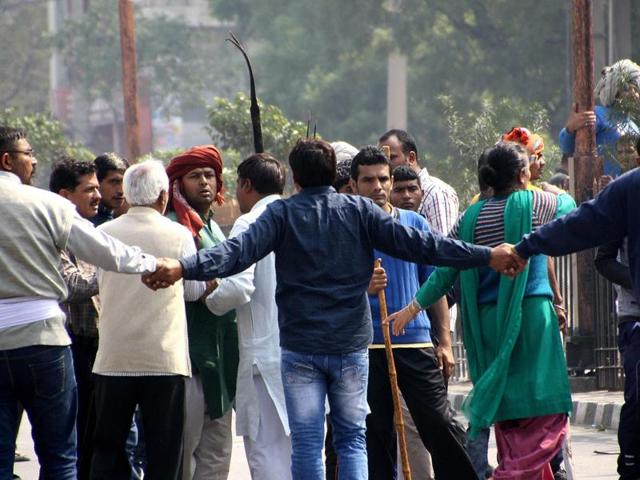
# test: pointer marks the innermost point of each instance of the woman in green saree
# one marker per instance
(515, 355)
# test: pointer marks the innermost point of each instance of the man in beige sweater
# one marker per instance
(34, 345)
(143, 355)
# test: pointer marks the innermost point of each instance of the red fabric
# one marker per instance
(526, 446)
(531, 141)
(197, 157)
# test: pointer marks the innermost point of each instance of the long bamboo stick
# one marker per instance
(393, 379)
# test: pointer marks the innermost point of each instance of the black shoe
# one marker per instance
(560, 475)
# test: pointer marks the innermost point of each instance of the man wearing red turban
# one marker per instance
(196, 183)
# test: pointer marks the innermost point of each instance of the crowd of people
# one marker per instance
(281, 322)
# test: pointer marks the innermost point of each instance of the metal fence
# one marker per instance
(603, 357)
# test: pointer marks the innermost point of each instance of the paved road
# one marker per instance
(589, 465)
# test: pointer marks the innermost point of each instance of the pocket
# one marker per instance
(355, 372)
(49, 377)
(296, 372)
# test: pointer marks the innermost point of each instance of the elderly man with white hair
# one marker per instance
(143, 355)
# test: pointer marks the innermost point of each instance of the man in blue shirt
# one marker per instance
(419, 378)
(323, 309)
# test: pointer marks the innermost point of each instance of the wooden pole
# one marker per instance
(393, 379)
(586, 166)
(129, 80)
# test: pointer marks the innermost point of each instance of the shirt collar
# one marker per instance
(12, 177)
(265, 201)
(324, 189)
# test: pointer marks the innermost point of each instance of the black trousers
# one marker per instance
(162, 402)
(422, 386)
(84, 350)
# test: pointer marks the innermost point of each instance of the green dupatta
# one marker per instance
(489, 375)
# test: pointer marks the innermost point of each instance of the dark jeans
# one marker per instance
(423, 389)
(629, 429)
(84, 351)
(161, 402)
(41, 379)
(477, 449)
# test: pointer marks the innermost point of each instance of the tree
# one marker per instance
(230, 127)
(24, 82)
(331, 58)
(47, 138)
(470, 133)
(175, 60)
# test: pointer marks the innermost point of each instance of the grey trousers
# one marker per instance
(207, 443)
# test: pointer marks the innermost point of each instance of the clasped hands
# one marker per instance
(168, 271)
(505, 260)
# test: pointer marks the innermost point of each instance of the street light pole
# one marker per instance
(129, 80)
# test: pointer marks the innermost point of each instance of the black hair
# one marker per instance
(503, 164)
(559, 179)
(638, 145)
(108, 162)
(407, 141)
(66, 173)
(313, 163)
(482, 161)
(265, 172)
(9, 136)
(404, 173)
(369, 155)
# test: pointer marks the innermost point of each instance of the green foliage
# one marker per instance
(48, 139)
(24, 55)
(230, 127)
(171, 57)
(471, 133)
(330, 57)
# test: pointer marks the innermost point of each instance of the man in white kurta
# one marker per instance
(261, 416)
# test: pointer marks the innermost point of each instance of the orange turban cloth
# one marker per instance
(531, 141)
(201, 156)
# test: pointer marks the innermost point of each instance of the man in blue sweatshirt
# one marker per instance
(323, 310)
(417, 361)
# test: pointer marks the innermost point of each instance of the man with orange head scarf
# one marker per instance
(196, 183)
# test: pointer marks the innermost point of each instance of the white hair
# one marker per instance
(144, 182)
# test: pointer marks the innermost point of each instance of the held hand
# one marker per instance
(211, 286)
(378, 281)
(446, 360)
(547, 187)
(580, 120)
(561, 313)
(168, 271)
(505, 260)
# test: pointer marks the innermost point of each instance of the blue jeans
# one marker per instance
(308, 380)
(478, 450)
(40, 378)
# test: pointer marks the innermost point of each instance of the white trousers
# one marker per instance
(269, 455)
(207, 443)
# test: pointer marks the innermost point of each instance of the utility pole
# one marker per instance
(129, 81)
(586, 168)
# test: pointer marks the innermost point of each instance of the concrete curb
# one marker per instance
(601, 415)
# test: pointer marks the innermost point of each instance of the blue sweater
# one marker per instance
(608, 131)
(403, 281)
(324, 244)
(611, 216)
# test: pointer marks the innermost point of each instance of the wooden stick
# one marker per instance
(393, 379)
